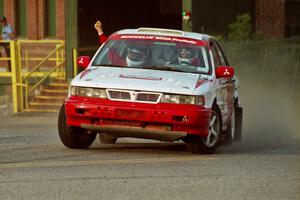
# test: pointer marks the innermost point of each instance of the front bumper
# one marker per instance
(141, 118)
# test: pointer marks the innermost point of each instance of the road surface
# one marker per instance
(35, 165)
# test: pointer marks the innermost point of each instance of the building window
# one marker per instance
(50, 18)
(292, 14)
(21, 18)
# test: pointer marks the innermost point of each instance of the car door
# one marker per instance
(225, 87)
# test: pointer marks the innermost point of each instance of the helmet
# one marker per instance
(137, 55)
(185, 55)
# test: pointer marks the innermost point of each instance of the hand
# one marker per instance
(98, 26)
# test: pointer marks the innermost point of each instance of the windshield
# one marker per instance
(154, 52)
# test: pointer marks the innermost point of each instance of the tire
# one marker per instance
(107, 139)
(73, 137)
(207, 145)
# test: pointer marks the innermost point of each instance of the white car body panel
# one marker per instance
(138, 79)
(158, 80)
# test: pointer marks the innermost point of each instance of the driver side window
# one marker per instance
(215, 55)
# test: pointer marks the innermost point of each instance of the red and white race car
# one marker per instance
(152, 83)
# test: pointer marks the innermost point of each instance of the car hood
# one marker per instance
(137, 79)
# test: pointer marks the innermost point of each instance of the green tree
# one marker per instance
(241, 29)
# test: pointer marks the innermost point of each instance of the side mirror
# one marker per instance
(224, 72)
(83, 61)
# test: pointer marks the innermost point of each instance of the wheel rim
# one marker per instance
(233, 123)
(213, 131)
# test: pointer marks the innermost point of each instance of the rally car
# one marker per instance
(149, 83)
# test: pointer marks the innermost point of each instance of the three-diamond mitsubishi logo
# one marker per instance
(81, 61)
(134, 95)
(226, 72)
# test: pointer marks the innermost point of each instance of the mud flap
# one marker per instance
(239, 123)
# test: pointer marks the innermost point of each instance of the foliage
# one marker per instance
(241, 29)
(219, 37)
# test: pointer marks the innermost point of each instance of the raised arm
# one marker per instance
(102, 36)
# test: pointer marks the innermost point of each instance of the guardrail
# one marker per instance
(31, 59)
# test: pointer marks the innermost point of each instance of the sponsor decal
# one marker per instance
(150, 78)
(185, 119)
(85, 72)
(201, 82)
(160, 38)
(185, 87)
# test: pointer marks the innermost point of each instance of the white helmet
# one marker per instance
(185, 55)
(137, 55)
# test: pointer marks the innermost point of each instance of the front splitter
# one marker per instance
(137, 132)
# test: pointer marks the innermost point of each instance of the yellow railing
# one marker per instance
(14, 75)
(54, 54)
(31, 59)
(75, 67)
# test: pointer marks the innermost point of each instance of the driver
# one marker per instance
(137, 55)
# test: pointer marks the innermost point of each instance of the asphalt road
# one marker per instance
(35, 165)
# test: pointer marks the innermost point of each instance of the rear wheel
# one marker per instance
(209, 144)
(73, 137)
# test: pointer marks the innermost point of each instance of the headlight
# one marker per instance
(73, 90)
(87, 92)
(199, 100)
(183, 99)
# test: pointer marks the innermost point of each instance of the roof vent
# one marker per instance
(160, 31)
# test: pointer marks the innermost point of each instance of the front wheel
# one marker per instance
(73, 137)
(209, 144)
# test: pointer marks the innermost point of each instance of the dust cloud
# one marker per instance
(269, 79)
(271, 115)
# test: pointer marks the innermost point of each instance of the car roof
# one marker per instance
(165, 32)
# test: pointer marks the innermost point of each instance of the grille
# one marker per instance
(119, 95)
(133, 96)
(147, 97)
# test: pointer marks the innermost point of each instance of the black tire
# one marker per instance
(107, 139)
(199, 145)
(73, 137)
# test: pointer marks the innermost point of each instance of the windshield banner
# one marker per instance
(158, 38)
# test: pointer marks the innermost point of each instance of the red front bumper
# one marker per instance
(191, 119)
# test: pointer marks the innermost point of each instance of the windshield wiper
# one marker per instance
(109, 65)
(162, 67)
